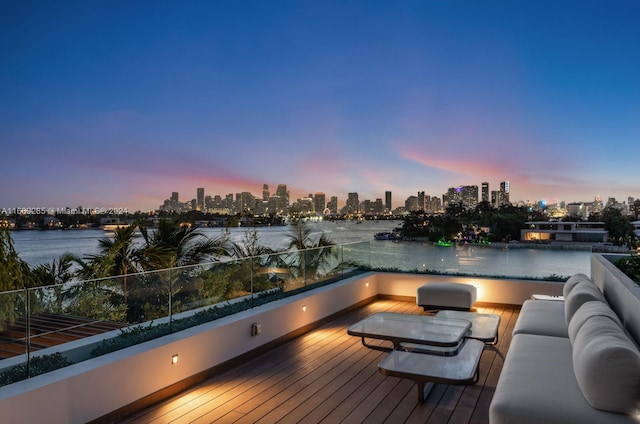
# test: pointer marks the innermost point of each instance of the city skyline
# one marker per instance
(117, 104)
(468, 195)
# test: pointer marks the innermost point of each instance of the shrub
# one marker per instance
(630, 265)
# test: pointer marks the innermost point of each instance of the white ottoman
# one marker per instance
(446, 296)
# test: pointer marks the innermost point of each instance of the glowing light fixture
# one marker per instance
(174, 359)
(304, 308)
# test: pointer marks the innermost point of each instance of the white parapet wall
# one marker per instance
(94, 388)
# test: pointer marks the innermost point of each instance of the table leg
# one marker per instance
(377, 347)
(424, 388)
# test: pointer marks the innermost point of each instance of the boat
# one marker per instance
(443, 243)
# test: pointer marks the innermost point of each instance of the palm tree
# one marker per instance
(55, 274)
(170, 246)
(173, 245)
(13, 276)
(118, 256)
(314, 248)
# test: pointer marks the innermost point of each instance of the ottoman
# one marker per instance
(446, 296)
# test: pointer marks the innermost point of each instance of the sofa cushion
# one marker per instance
(588, 310)
(542, 317)
(607, 366)
(537, 385)
(582, 292)
(572, 282)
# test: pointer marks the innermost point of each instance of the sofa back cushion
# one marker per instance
(583, 292)
(607, 366)
(588, 310)
(572, 282)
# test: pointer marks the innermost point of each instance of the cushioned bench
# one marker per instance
(571, 362)
(445, 295)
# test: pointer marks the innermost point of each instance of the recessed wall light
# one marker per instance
(304, 308)
(174, 359)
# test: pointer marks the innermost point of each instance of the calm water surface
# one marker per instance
(36, 247)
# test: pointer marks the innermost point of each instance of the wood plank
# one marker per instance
(327, 376)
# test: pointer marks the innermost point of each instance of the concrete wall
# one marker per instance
(622, 293)
(490, 290)
(91, 389)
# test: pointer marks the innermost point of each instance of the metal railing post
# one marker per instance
(28, 331)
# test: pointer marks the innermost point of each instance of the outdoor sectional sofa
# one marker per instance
(573, 361)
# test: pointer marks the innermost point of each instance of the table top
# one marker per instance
(459, 369)
(409, 328)
(483, 326)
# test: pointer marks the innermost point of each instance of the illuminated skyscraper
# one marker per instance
(485, 192)
(319, 203)
(200, 199)
(504, 193)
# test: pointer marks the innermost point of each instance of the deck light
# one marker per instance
(304, 308)
(174, 359)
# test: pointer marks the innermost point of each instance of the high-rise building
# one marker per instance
(504, 193)
(200, 199)
(411, 204)
(353, 204)
(420, 205)
(283, 198)
(319, 203)
(387, 201)
(485, 192)
(333, 205)
(265, 192)
(377, 207)
(466, 196)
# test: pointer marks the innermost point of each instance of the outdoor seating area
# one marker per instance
(582, 353)
(326, 375)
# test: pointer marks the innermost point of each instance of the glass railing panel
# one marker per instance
(146, 296)
(13, 324)
(356, 256)
(269, 278)
(288, 270)
(321, 265)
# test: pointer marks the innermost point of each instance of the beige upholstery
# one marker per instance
(447, 295)
(542, 317)
(607, 366)
(583, 292)
(588, 310)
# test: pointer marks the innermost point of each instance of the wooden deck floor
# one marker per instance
(327, 376)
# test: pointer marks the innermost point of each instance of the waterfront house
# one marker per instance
(547, 231)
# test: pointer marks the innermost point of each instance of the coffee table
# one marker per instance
(426, 370)
(484, 327)
(402, 329)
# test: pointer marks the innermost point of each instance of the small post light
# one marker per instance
(174, 359)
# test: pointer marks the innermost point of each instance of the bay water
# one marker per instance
(42, 246)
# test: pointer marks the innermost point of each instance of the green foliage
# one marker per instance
(13, 276)
(630, 266)
(552, 277)
(505, 223)
(37, 365)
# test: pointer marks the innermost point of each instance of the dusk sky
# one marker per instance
(120, 103)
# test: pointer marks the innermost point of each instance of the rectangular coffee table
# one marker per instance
(426, 370)
(421, 330)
